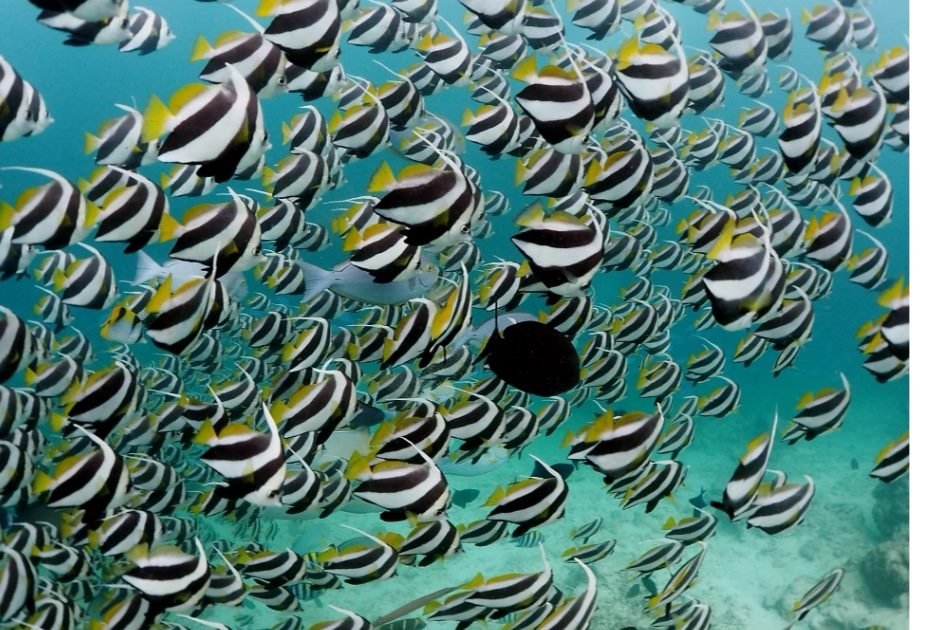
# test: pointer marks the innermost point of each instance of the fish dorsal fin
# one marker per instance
(185, 95)
(531, 217)
(417, 170)
(626, 53)
(806, 399)
(526, 69)
(756, 442)
(206, 434)
(383, 179)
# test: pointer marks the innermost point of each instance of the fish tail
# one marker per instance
(317, 279)
(146, 269)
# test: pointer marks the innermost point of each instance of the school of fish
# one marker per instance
(221, 379)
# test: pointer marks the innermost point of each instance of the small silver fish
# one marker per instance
(351, 282)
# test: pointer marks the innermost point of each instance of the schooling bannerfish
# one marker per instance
(441, 300)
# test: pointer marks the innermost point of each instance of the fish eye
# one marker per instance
(465, 229)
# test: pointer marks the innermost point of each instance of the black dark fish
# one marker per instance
(462, 498)
(699, 501)
(533, 357)
(854, 464)
(367, 416)
(563, 469)
(649, 584)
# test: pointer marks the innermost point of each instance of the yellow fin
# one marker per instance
(206, 434)
(42, 482)
(57, 421)
(156, 119)
(201, 49)
(185, 95)
(91, 143)
(525, 70)
(474, 582)
(627, 51)
(169, 228)
(137, 553)
(533, 215)
(806, 399)
(497, 495)
(892, 294)
(723, 242)
(161, 295)
(358, 464)
(382, 180)
(266, 8)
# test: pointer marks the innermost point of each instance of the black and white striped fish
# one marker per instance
(892, 72)
(225, 236)
(24, 112)
(251, 462)
(591, 552)
(792, 323)
(859, 118)
(18, 584)
(680, 581)
(662, 479)
(892, 461)
(182, 181)
(563, 252)
(830, 238)
(778, 32)
(307, 31)
(691, 529)
(741, 490)
(619, 446)
(272, 569)
(401, 488)
(654, 80)
(656, 558)
(218, 127)
(53, 215)
(600, 17)
(447, 56)
(780, 509)
(706, 84)
(359, 563)
(828, 25)
(483, 532)
(534, 501)
(257, 60)
(820, 413)
(801, 135)
(378, 28)
(119, 141)
(740, 41)
(111, 30)
(169, 578)
(817, 594)
(435, 205)
(746, 284)
(94, 481)
(124, 530)
(558, 102)
(148, 32)
(510, 592)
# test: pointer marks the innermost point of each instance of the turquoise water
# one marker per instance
(748, 578)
